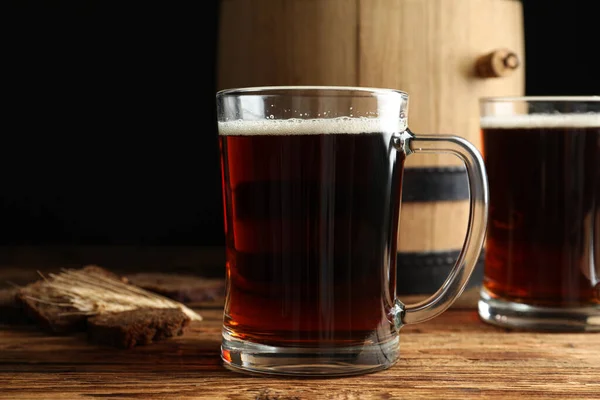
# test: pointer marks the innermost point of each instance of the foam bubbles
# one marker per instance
(296, 126)
(587, 120)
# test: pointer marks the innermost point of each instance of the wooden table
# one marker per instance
(454, 356)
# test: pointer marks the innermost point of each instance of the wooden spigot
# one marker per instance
(498, 63)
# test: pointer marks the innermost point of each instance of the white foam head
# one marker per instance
(317, 126)
(587, 120)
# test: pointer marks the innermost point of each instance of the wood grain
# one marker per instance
(432, 226)
(454, 356)
(428, 48)
(282, 42)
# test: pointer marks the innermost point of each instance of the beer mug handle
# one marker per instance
(479, 196)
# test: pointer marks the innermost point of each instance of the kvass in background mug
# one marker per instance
(312, 182)
(542, 257)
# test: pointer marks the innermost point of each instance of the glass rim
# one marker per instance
(297, 89)
(540, 99)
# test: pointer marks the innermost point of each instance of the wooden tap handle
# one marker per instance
(498, 63)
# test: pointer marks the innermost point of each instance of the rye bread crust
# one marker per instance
(139, 327)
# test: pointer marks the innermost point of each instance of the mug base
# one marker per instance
(513, 315)
(254, 358)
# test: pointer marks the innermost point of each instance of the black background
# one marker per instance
(108, 132)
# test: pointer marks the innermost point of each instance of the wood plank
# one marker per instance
(452, 356)
(267, 42)
(429, 49)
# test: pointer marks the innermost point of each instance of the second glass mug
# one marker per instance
(311, 187)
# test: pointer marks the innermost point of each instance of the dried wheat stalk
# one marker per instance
(92, 294)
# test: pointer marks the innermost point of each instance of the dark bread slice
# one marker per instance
(180, 287)
(10, 309)
(51, 310)
(143, 326)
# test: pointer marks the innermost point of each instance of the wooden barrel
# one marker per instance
(445, 53)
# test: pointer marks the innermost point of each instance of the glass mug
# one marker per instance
(311, 187)
(542, 257)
